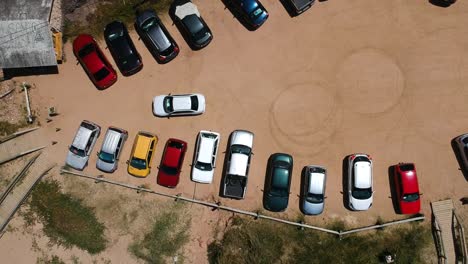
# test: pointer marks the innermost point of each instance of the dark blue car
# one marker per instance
(251, 12)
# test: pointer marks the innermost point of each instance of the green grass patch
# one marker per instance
(168, 235)
(65, 219)
(108, 11)
(254, 241)
(50, 260)
(7, 128)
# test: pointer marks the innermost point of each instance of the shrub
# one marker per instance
(168, 235)
(65, 219)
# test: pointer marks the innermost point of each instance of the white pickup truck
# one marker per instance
(238, 163)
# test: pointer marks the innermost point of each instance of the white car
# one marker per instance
(82, 145)
(178, 105)
(360, 185)
(206, 151)
(313, 197)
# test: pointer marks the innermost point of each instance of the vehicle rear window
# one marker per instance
(407, 167)
(101, 74)
(148, 24)
(115, 36)
(465, 140)
(410, 197)
(86, 50)
(194, 100)
(176, 144)
(361, 158)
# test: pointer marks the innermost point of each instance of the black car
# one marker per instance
(156, 37)
(122, 49)
(278, 182)
(193, 27)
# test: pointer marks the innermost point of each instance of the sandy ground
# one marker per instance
(384, 78)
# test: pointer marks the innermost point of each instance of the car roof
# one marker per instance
(206, 148)
(110, 141)
(193, 23)
(82, 137)
(159, 37)
(238, 164)
(409, 180)
(280, 178)
(142, 146)
(316, 182)
(362, 174)
(181, 103)
(172, 156)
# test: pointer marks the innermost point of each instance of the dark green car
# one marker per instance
(278, 182)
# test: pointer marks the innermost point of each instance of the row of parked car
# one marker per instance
(236, 168)
(157, 38)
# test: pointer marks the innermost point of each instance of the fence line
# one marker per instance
(17, 134)
(256, 215)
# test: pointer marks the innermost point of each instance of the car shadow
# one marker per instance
(265, 181)
(223, 173)
(391, 185)
(193, 159)
(440, 3)
(228, 5)
(289, 9)
(345, 182)
(302, 190)
(459, 158)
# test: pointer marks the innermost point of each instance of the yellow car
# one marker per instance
(139, 164)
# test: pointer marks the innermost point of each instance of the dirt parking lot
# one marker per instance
(387, 78)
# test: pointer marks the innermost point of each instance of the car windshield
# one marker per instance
(148, 24)
(106, 157)
(240, 149)
(257, 12)
(407, 167)
(77, 151)
(194, 101)
(101, 74)
(169, 170)
(279, 192)
(282, 164)
(115, 35)
(203, 166)
(138, 163)
(314, 198)
(362, 194)
(168, 108)
(86, 50)
(410, 197)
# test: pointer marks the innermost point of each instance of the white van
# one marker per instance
(111, 149)
(206, 151)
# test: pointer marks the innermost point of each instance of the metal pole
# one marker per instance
(27, 103)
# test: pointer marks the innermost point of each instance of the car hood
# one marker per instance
(360, 205)
(130, 63)
(75, 161)
(410, 207)
(312, 208)
(202, 176)
(275, 203)
(158, 109)
(137, 173)
(167, 180)
(106, 167)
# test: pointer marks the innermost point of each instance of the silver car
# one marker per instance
(111, 149)
(313, 197)
(82, 145)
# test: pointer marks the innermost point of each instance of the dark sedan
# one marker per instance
(251, 12)
(122, 49)
(195, 30)
(156, 37)
(278, 182)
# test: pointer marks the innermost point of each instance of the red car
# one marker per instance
(171, 162)
(407, 189)
(94, 62)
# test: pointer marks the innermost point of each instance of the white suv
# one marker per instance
(360, 185)
(82, 145)
(206, 151)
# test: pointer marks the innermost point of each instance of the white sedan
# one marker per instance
(178, 105)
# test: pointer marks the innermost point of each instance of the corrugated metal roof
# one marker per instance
(25, 36)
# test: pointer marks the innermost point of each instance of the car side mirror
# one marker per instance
(325, 197)
(97, 153)
(421, 194)
(127, 162)
(77, 62)
(158, 167)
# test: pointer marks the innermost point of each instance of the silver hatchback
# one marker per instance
(111, 149)
(82, 145)
(313, 196)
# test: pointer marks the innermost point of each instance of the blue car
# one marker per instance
(251, 12)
